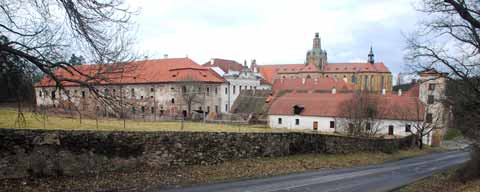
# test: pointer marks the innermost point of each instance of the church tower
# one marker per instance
(316, 56)
(371, 56)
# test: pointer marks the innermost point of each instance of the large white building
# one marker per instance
(237, 78)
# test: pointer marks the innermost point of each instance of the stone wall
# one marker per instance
(38, 153)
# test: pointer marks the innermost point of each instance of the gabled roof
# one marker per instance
(224, 64)
(147, 71)
(331, 105)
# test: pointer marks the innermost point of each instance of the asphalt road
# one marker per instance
(383, 177)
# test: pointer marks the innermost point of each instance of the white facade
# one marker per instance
(236, 81)
(332, 125)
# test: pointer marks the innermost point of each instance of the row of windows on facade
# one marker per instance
(354, 80)
(132, 91)
(368, 127)
(162, 111)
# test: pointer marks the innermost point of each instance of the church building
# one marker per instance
(370, 75)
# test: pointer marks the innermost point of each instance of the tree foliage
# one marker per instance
(449, 40)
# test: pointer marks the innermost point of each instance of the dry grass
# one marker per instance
(35, 121)
(150, 178)
(445, 182)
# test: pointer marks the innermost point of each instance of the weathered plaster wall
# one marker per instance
(39, 153)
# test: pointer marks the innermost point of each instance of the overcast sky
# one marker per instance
(274, 31)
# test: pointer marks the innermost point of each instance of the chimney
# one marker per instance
(303, 81)
(399, 92)
(383, 91)
(334, 91)
(165, 56)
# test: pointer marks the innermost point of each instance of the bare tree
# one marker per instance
(36, 36)
(360, 115)
(421, 120)
(449, 40)
(192, 94)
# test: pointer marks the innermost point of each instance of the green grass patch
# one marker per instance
(452, 134)
(52, 122)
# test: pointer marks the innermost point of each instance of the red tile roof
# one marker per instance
(270, 71)
(148, 71)
(330, 105)
(224, 64)
(312, 84)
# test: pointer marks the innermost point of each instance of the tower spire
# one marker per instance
(316, 41)
(371, 56)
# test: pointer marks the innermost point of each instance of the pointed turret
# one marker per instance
(371, 56)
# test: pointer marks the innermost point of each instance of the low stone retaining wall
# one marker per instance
(37, 153)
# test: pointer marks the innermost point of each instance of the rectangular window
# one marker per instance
(143, 109)
(390, 130)
(279, 120)
(132, 92)
(226, 108)
(430, 99)
(208, 109)
(408, 128)
(152, 89)
(429, 118)
(297, 121)
(226, 90)
(152, 110)
(431, 86)
(83, 94)
(40, 93)
(216, 108)
(173, 100)
(53, 94)
(208, 91)
(332, 124)
(234, 89)
(216, 90)
(368, 127)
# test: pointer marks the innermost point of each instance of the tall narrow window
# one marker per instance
(365, 83)
(280, 121)
(83, 94)
(216, 108)
(226, 90)
(368, 126)
(408, 128)
(354, 79)
(208, 91)
(40, 93)
(173, 100)
(143, 109)
(234, 89)
(216, 90)
(429, 118)
(430, 99)
(382, 82)
(152, 89)
(53, 94)
(152, 110)
(297, 121)
(431, 86)
(332, 124)
(132, 92)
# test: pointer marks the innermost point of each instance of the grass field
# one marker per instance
(35, 121)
